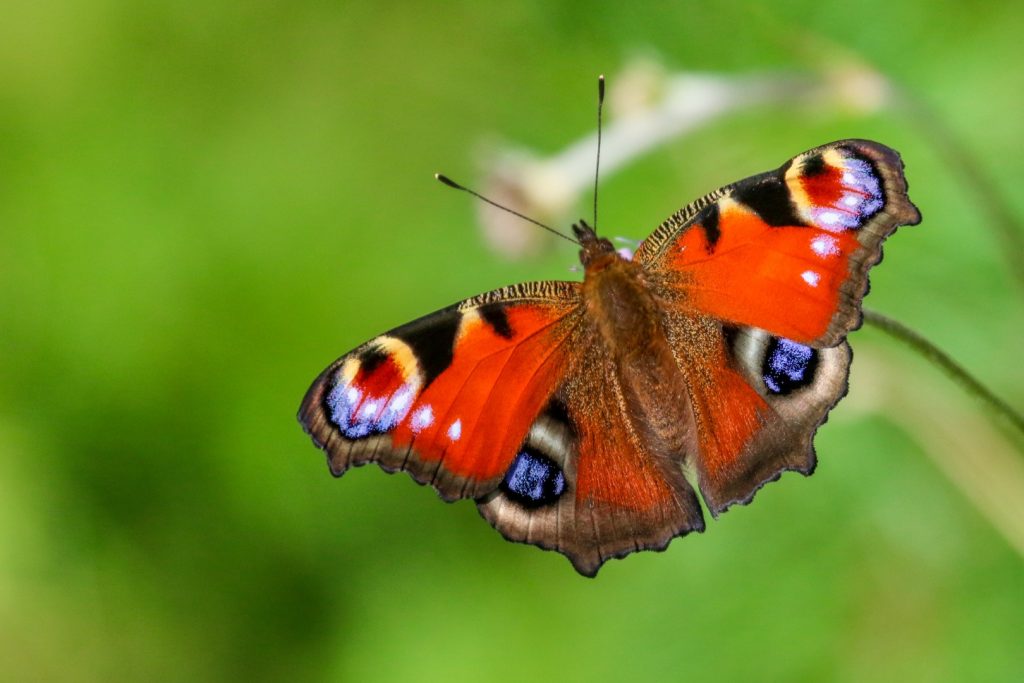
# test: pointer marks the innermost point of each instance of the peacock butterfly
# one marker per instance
(568, 410)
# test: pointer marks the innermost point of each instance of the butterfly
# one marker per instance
(583, 417)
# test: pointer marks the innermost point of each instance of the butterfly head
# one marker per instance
(597, 252)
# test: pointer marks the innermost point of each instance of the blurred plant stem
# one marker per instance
(969, 451)
(945, 362)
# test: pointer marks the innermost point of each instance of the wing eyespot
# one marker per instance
(788, 366)
(533, 480)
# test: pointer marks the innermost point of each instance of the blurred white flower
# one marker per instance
(647, 106)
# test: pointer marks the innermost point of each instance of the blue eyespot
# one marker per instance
(358, 415)
(533, 480)
(788, 366)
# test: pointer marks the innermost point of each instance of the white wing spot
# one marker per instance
(810, 277)
(401, 400)
(829, 217)
(823, 245)
(421, 419)
(370, 409)
(455, 431)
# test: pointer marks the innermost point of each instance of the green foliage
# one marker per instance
(202, 204)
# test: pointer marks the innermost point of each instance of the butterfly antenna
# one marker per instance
(451, 183)
(597, 164)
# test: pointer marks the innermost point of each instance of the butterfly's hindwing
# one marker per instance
(798, 385)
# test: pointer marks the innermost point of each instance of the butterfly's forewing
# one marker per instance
(776, 267)
(450, 397)
(786, 251)
(757, 401)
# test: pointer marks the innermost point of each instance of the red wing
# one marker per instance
(786, 251)
(450, 397)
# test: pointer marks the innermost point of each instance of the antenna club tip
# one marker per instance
(446, 180)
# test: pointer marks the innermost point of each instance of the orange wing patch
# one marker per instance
(616, 471)
(450, 397)
(473, 417)
(729, 414)
(786, 251)
(783, 279)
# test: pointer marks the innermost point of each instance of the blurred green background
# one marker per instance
(203, 204)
